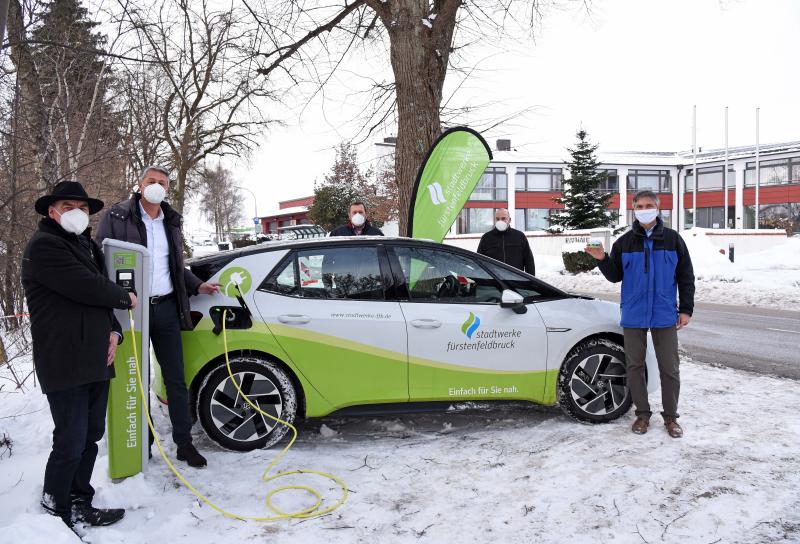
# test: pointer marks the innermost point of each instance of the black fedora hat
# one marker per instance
(67, 190)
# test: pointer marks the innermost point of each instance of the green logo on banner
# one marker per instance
(234, 276)
(445, 181)
(124, 260)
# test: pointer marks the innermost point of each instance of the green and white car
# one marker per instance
(346, 325)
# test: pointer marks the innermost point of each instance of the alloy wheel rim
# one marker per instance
(599, 384)
(234, 417)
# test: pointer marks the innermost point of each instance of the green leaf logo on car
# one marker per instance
(232, 277)
(471, 325)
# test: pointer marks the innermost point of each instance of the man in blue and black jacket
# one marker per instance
(653, 263)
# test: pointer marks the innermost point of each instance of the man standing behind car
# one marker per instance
(507, 245)
(358, 224)
(147, 220)
(652, 261)
(75, 337)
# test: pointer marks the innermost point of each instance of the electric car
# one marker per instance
(346, 325)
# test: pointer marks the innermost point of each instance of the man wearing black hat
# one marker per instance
(75, 337)
(146, 219)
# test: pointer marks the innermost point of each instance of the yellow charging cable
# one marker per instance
(311, 512)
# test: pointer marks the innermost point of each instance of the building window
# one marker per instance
(773, 172)
(710, 179)
(658, 181)
(611, 183)
(666, 216)
(538, 179)
(774, 216)
(711, 218)
(532, 218)
(475, 220)
(492, 186)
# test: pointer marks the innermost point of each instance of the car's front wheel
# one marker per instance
(593, 383)
(230, 420)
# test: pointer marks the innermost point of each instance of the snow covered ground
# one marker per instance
(513, 474)
(768, 278)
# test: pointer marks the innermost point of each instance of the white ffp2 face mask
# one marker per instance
(501, 225)
(154, 193)
(358, 220)
(74, 221)
(646, 217)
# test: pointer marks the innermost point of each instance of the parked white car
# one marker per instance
(361, 324)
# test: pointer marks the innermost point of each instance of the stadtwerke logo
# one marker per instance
(437, 195)
(471, 325)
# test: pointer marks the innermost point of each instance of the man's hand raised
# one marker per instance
(598, 252)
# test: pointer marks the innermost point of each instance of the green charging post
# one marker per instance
(128, 265)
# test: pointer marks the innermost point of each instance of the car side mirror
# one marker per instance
(513, 300)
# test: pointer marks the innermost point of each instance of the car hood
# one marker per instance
(581, 313)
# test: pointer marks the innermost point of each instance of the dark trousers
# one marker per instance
(165, 335)
(665, 344)
(79, 416)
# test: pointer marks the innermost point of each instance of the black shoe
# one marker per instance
(48, 505)
(190, 454)
(84, 512)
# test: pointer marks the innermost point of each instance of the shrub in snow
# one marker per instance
(576, 262)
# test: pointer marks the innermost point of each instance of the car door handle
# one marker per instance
(426, 323)
(294, 318)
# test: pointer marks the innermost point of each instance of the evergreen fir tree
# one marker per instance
(584, 204)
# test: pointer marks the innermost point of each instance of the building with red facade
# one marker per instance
(527, 186)
(290, 212)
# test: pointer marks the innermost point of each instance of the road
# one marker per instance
(761, 340)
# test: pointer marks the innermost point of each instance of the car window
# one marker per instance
(283, 280)
(516, 281)
(440, 276)
(330, 273)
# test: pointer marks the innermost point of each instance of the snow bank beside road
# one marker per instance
(512, 475)
(769, 278)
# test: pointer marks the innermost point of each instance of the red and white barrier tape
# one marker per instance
(14, 316)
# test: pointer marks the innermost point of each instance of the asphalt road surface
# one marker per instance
(761, 340)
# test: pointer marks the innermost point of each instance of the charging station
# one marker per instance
(128, 265)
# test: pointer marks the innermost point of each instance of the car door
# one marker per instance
(462, 343)
(327, 308)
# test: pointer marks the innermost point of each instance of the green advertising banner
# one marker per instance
(445, 181)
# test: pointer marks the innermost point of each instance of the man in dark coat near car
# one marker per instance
(358, 223)
(75, 337)
(507, 245)
(147, 220)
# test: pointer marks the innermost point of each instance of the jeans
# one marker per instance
(665, 344)
(79, 416)
(165, 335)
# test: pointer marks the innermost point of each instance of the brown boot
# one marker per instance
(641, 424)
(673, 428)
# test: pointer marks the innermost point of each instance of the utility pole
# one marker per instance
(256, 227)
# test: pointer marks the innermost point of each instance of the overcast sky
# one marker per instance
(628, 72)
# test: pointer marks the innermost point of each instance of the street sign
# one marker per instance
(256, 220)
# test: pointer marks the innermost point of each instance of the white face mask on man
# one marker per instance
(645, 217)
(74, 221)
(154, 193)
(358, 220)
(501, 225)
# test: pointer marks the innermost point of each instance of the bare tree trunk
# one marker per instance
(35, 112)
(419, 53)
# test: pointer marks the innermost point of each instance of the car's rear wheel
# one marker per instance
(229, 420)
(593, 383)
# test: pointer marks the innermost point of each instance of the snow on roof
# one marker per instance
(286, 211)
(650, 158)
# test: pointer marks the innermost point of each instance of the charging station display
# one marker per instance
(129, 265)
